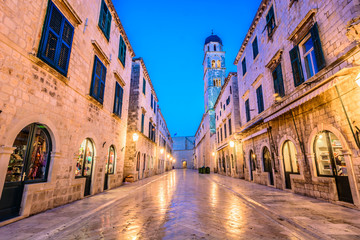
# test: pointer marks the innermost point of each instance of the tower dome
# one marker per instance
(213, 38)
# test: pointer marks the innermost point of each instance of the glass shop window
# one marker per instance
(289, 155)
(30, 159)
(85, 159)
(328, 155)
(110, 165)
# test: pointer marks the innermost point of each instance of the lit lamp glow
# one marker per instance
(171, 158)
(168, 156)
(232, 144)
(357, 80)
(213, 153)
(253, 155)
(161, 150)
(135, 137)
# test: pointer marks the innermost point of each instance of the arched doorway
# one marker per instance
(144, 166)
(331, 163)
(252, 158)
(85, 162)
(184, 164)
(29, 163)
(138, 164)
(228, 166)
(267, 164)
(110, 165)
(291, 165)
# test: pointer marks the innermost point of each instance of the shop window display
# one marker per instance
(110, 165)
(329, 159)
(29, 161)
(290, 161)
(85, 159)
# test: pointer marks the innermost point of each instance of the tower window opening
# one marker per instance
(218, 63)
(213, 64)
(214, 48)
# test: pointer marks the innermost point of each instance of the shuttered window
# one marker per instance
(270, 21)
(122, 51)
(98, 81)
(225, 131)
(296, 66)
(105, 20)
(260, 99)
(144, 86)
(319, 55)
(155, 106)
(278, 81)
(230, 127)
(56, 41)
(142, 122)
(152, 101)
(243, 63)
(247, 110)
(118, 99)
(255, 47)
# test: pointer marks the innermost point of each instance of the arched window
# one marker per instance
(266, 160)
(138, 162)
(30, 159)
(218, 63)
(209, 48)
(144, 162)
(215, 48)
(213, 63)
(252, 160)
(214, 82)
(110, 164)
(85, 159)
(328, 156)
(291, 165)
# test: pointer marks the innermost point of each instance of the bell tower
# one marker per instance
(214, 74)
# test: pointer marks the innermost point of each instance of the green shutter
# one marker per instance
(319, 55)
(108, 24)
(296, 66)
(280, 81)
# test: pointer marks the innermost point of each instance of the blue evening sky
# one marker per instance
(169, 36)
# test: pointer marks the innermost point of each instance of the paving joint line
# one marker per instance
(47, 234)
(280, 219)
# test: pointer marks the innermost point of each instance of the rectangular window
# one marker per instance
(105, 20)
(56, 41)
(260, 99)
(144, 86)
(122, 51)
(278, 81)
(118, 99)
(150, 130)
(308, 55)
(230, 127)
(155, 107)
(225, 131)
(247, 110)
(228, 101)
(221, 134)
(243, 63)
(98, 81)
(142, 122)
(255, 47)
(152, 101)
(270, 21)
(218, 136)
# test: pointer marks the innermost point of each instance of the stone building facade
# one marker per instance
(64, 89)
(228, 148)
(165, 144)
(183, 148)
(299, 101)
(142, 151)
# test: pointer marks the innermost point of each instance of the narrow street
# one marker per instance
(183, 204)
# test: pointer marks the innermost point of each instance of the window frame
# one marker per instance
(106, 30)
(260, 99)
(243, 66)
(118, 100)
(99, 98)
(247, 110)
(122, 51)
(255, 47)
(45, 36)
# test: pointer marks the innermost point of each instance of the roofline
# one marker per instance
(121, 27)
(253, 25)
(227, 80)
(162, 116)
(146, 74)
(202, 119)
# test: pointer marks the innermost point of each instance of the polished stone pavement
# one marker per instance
(182, 204)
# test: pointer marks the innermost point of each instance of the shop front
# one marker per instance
(290, 162)
(84, 164)
(330, 163)
(110, 166)
(28, 164)
(266, 156)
